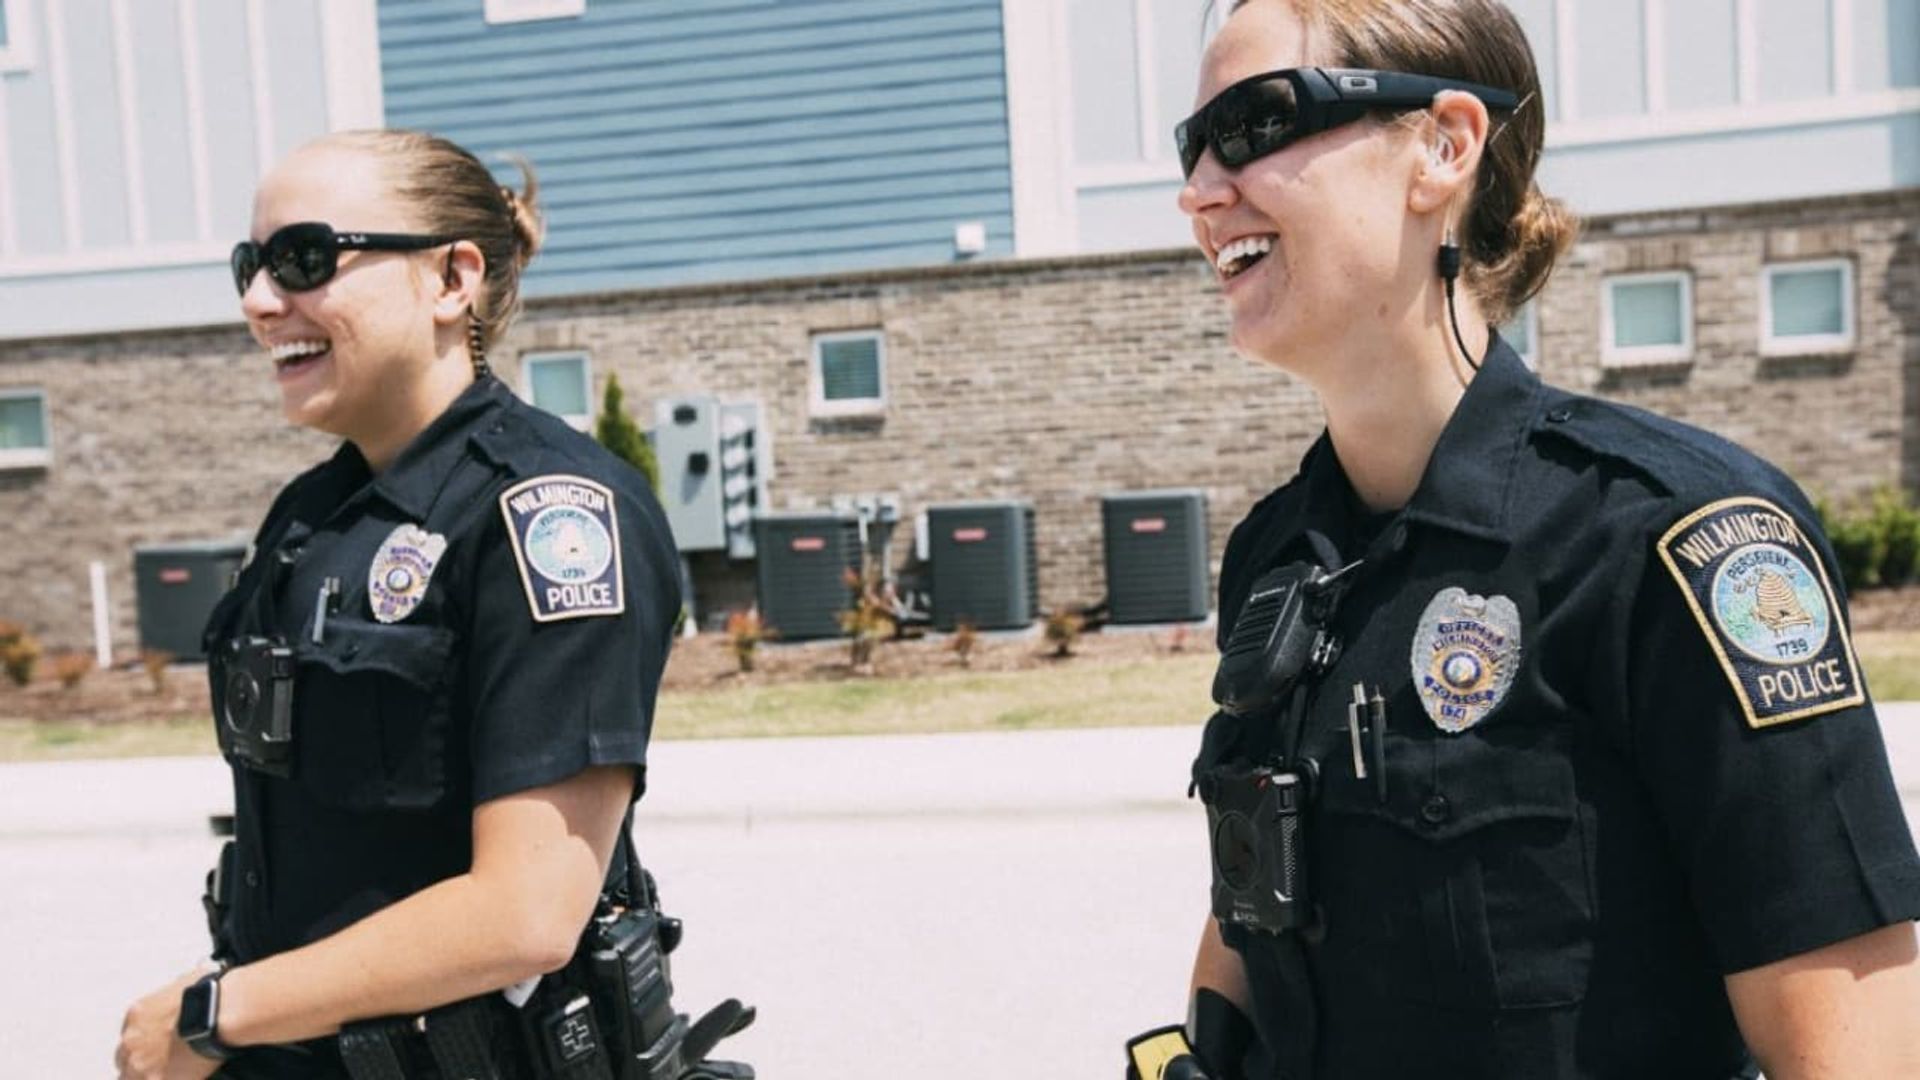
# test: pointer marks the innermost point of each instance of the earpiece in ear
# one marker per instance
(1440, 152)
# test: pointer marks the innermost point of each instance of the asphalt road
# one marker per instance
(922, 906)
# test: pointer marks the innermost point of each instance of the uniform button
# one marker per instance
(1436, 811)
(351, 650)
(253, 880)
(1560, 416)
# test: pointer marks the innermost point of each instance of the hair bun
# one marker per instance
(1543, 229)
(529, 225)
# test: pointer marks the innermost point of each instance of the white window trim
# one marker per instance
(514, 11)
(1808, 344)
(17, 53)
(817, 404)
(29, 457)
(1646, 355)
(528, 361)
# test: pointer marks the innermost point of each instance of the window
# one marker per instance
(1647, 319)
(1806, 307)
(16, 36)
(561, 384)
(24, 443)
(849, 376)
(513, 11)
(1522, 332)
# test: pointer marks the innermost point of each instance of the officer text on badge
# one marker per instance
(1761, 594)
(566, 539)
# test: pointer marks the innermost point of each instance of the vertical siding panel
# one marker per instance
(226, 75)
(126, 96)
(1536, 20)
(297, 67)
(1703, 67)
(1796, 50)
(86, 69)
(9, 215)
(165, 141)
(33, 152)
(1612, 60)
(1106, 122)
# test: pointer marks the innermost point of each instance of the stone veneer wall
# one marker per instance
(1051, 381)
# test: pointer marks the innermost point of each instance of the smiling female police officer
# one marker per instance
(1593, 786)
(435, 678)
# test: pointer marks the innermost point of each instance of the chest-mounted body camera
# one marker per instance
(1281, 634)
(255, 677)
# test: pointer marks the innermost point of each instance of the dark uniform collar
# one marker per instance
(417, 475)
(1465, 486)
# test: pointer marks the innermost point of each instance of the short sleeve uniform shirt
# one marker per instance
(1628, 749)
(491, 613)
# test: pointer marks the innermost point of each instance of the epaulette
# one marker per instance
(1684, 461)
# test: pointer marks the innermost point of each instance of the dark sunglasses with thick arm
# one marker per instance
(1270, 111)
(306, 255)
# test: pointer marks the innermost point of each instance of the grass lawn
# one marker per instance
(1164, 689)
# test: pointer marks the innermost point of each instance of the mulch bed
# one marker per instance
(127, 694)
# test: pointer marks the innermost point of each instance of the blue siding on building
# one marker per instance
(725, 140)
(164, 149)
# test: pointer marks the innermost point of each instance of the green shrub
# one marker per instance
(618, 433)
(1898, 525)
(1857, 546)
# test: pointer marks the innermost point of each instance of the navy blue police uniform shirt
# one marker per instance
(1628, 750)
(506, 593)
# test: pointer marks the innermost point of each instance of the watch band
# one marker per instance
(199, 1022)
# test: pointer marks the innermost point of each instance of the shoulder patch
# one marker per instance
(566, 539)
(1762, 596)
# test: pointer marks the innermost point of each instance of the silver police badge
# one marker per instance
(1465, 655)
(397, 580)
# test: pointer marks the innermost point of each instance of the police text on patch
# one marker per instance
(566, 539)
(1761, 594)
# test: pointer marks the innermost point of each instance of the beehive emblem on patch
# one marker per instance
(1761, 594)
(565, 532)
(1466, 653)
(397, 579)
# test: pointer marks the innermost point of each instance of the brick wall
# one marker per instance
(1054, 382)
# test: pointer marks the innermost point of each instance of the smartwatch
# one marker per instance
(200, 1016)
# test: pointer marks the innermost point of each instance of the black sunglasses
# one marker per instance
(306, 255)
(1268, 112)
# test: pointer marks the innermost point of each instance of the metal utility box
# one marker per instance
(686, 439)
(714, 463)
(1156, 546)
(804, 559)
(175, 588)
(985, 570)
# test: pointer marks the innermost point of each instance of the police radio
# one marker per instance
(1257, 814)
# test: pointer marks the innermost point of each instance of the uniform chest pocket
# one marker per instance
(370, 715)
(1470, 885)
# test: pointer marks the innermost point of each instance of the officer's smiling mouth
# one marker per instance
(293, 357)
(1242, 255)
